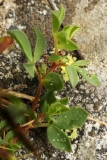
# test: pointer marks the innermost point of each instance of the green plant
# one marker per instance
(55, 114)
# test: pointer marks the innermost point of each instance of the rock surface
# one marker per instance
(91, 15)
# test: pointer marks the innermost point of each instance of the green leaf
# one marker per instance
(62, 36)
(55, 22)
(68, 45)
(16, 146)
(9, 136)
(72, 74)
(93, 79)
(70, 30)
(2, 124)
(67, 33)
(46, 100)
(74, 118)
(40, 44)
(63, 100)
(42, 69)
(10, 150)
(81, 63)
(17, 109)
(58, 138)
(2, 141)
(29, 68)
(57, 18)
(23, 42)
(54, 58)
(31, 114)
(57, 58)
(57, 108)
(21, 119)
(53, 81)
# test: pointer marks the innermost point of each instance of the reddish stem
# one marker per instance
(52, 67)
(35, 102)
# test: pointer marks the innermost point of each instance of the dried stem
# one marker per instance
(17, 94)
(51, 4)
(98, 121)
(28, 123)
(4, 101)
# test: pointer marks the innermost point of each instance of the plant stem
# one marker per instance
(37, 74)
(34, 105)
(28, 123)
(41, 125)
(17, 94)
(55, 43)
(95, 120)
(52, 67)
(2, 147)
